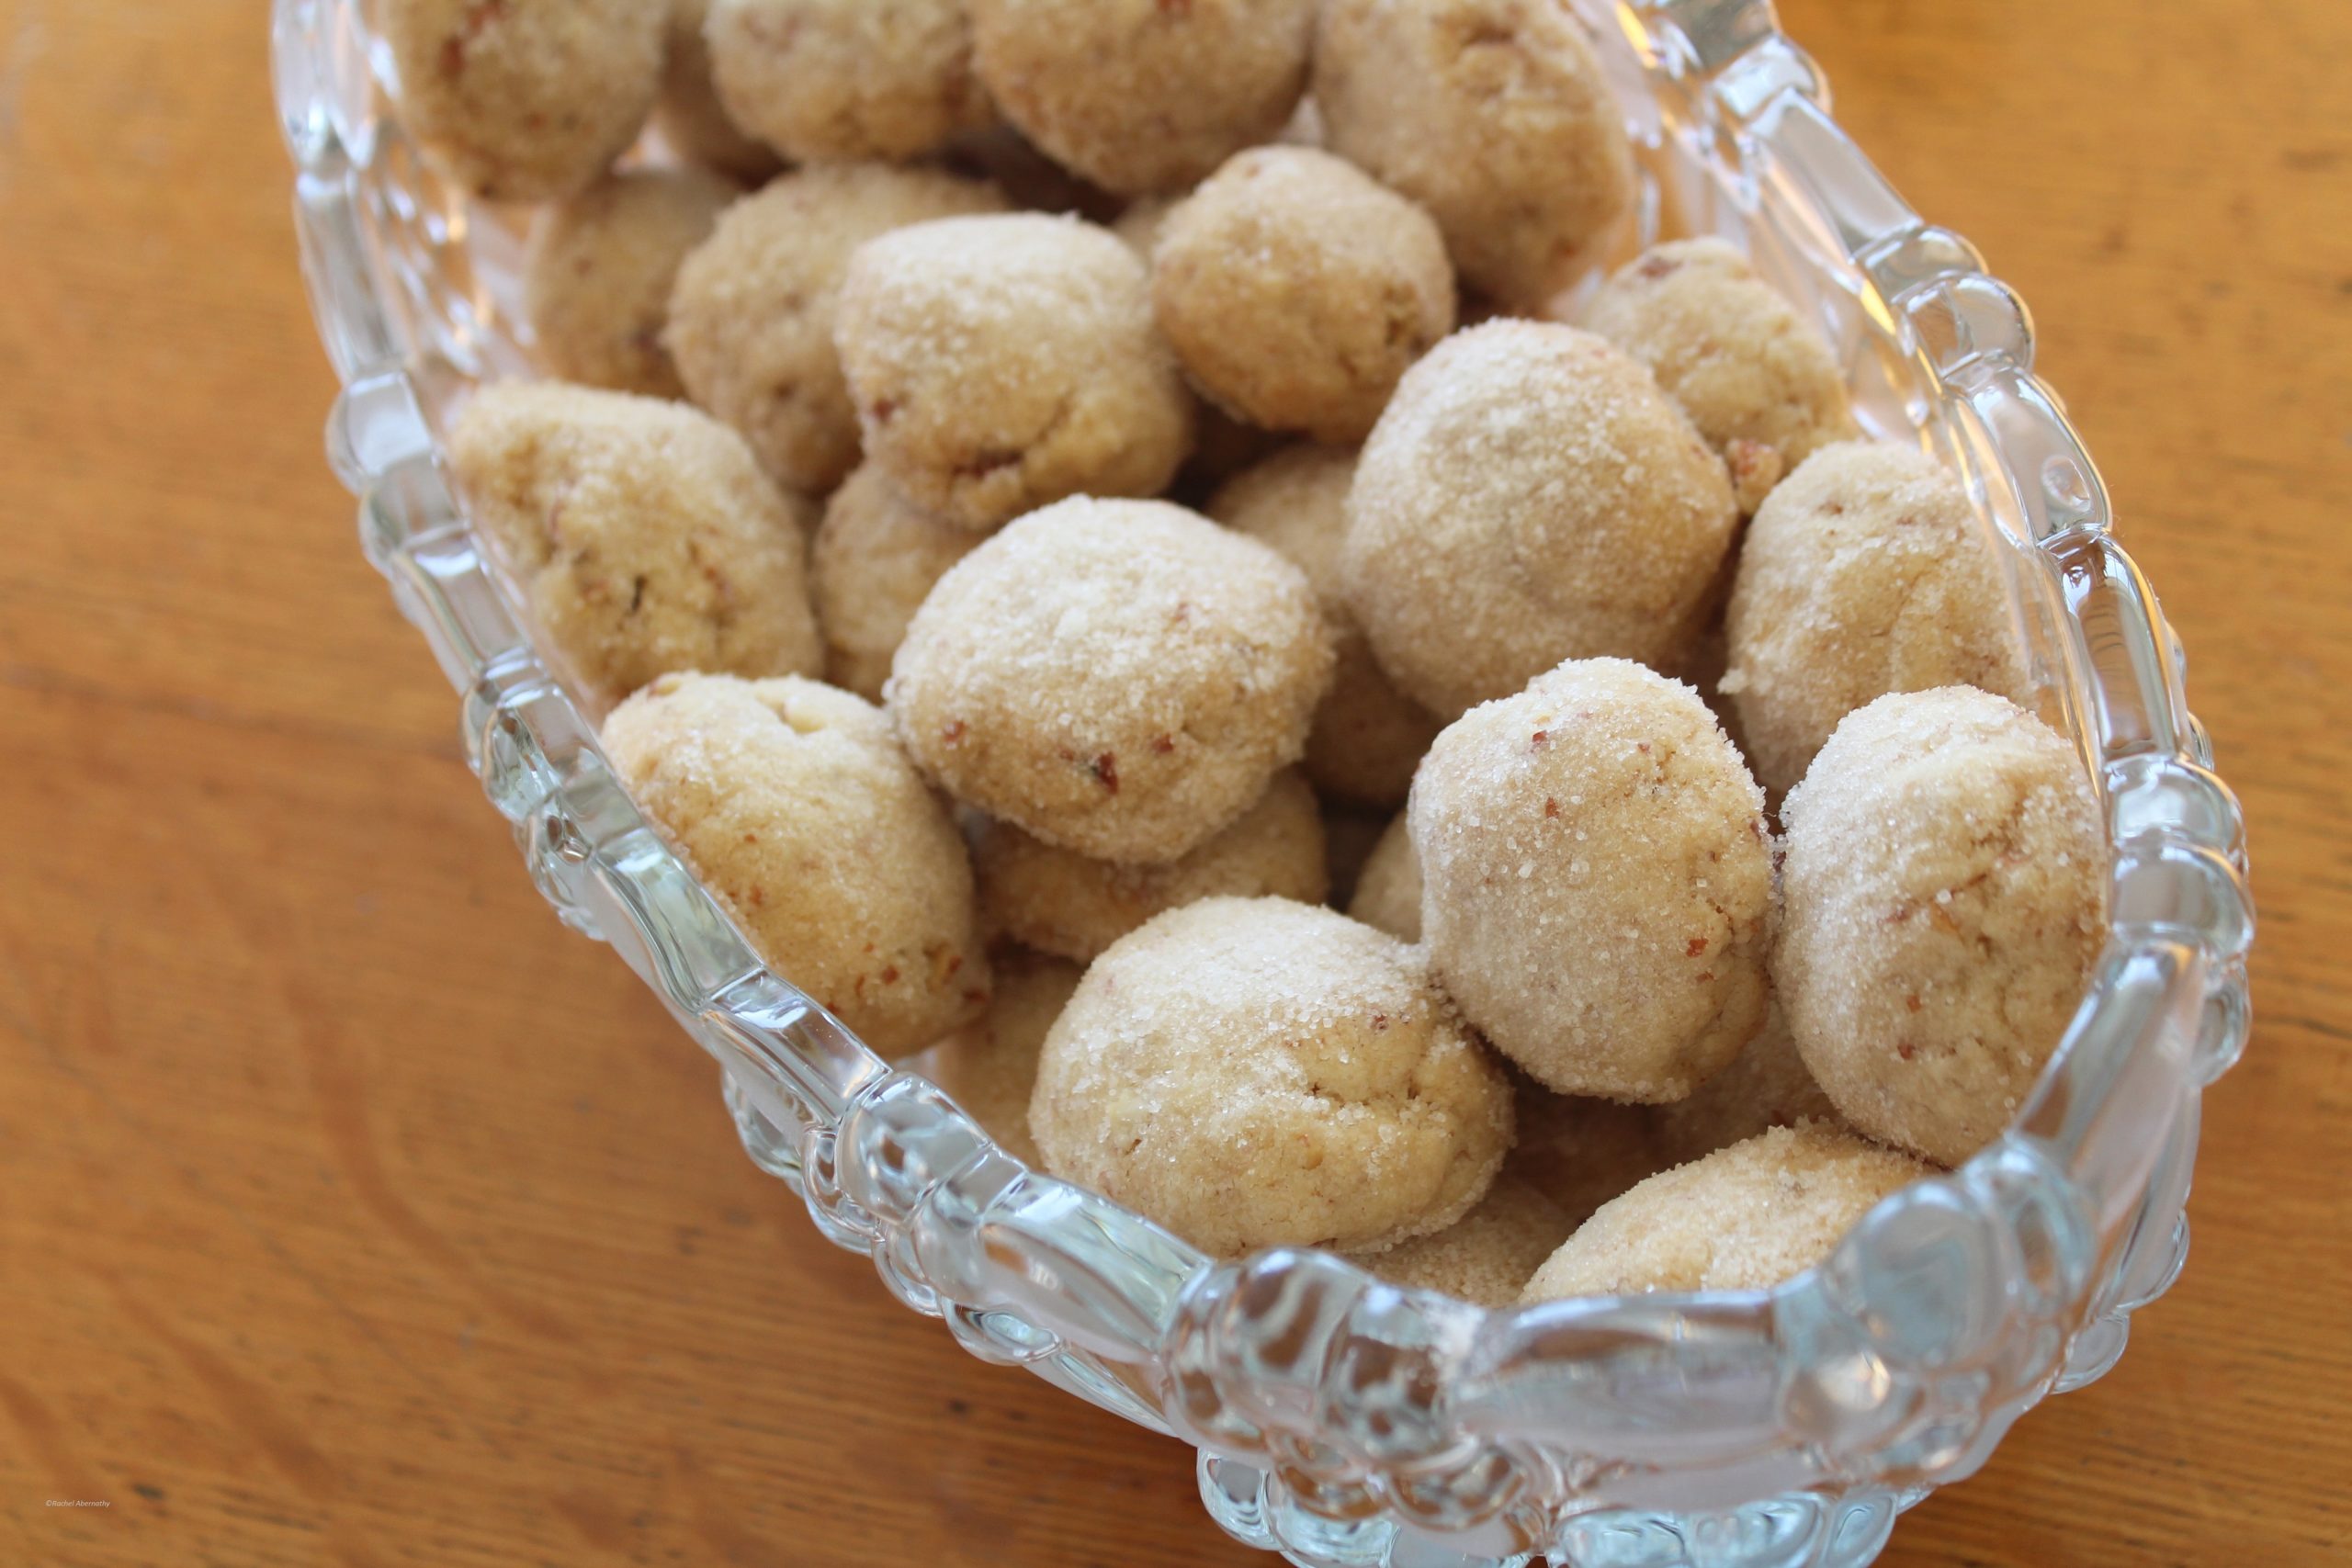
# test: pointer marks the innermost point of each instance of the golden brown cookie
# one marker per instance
(877, 557)
(1944, 882)
(1120, 678)
(525, 100)
(1257, 1073)
(1866, 572)
(999, 363)
(1530, 496)
(1143, 96)
(1743, 1219)
(835, 80)
(796, 810)
(1595, 881)
(1760, 382)
(751, 318)
(1297, 291)
(1488, 1256)
(1368, 736)
(597, 278)
(1493, 115)
(643, 537)
(1059, 902)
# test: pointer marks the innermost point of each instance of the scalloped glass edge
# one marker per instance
(1339, 1420)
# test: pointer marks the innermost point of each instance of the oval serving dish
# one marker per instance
(1340, 1420)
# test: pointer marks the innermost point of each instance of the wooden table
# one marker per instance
(351, 1212)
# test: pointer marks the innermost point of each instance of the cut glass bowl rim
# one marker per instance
(2059, 1229)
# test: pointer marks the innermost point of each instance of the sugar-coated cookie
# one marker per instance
(1257, 1073)
(644, 538)
(798, 812)
(1119, 678)
(1944, 875)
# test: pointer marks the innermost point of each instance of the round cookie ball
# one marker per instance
(1757, 381)
(876, 558)
(1744, 1219)
(795, 809)
(751, 318)
(1493, 115)
(528, 100)
(1865, 572)
(1256, 1073)
(1530, 496)
(1595, 881)
(1143, 95)
(1388, 893)
(597, 278)
(1120, 678)
(990, 1069)
(999, 364)
(1944, 875)
(1766, 1086)
(644, 538)
(1297, 290)
(1368, 736)
(1060, 902)
(1581, 1153)
(690, 116)
(1487, 1257)
(847, 79)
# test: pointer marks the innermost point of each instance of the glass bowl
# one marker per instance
(1339, 1420)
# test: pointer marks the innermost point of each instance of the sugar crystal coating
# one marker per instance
(1368, 736)
(1145, 94)
(1297, 291)
(1595, 881)
(1120, 678)
(643, 536)
(847, 79)
(1760, 384)
(1530, 496)
(596, 281)
(877, 557)
(1492, 114)
(1059, 902)
(525, 100)
(999, 364)
(1866, 572)
(751, 318)
(1257, 1073)
(1487, 1257)
(1744, 1218)
(1945, 884)
(797, 809)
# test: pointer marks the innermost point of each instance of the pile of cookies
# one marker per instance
(1039, 484)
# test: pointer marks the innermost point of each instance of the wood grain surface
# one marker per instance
(351, 1212)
